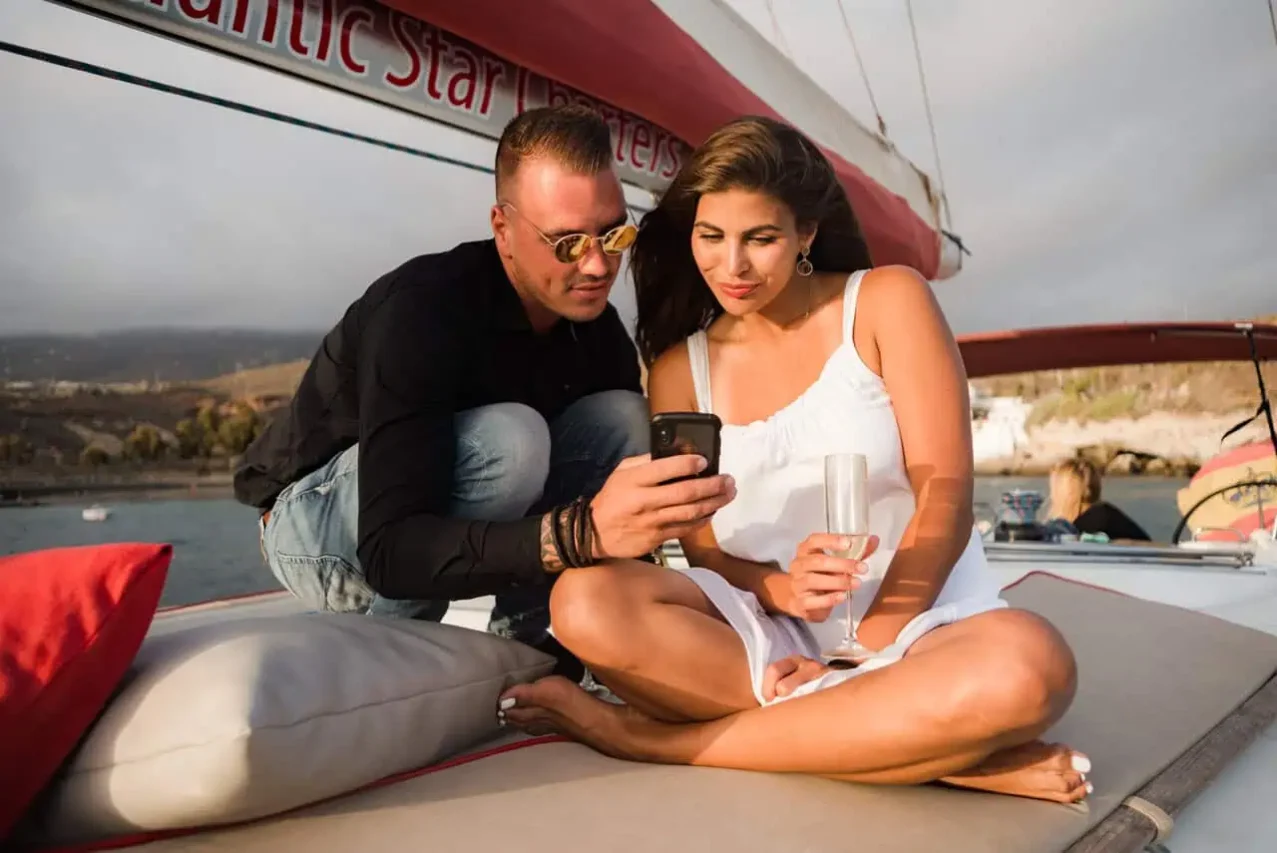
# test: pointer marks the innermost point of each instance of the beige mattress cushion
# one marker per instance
(1154, 679)
(239, 719)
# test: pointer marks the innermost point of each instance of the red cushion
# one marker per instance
(71, 621)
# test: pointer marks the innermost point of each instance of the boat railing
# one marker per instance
(1217, 555)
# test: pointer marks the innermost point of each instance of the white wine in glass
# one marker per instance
(847, 514)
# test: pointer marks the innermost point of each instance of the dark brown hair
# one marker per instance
(575, 136)
(751, 153)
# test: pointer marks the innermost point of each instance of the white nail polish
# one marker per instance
(1081, 763)
(1089, 788)
(507, 703)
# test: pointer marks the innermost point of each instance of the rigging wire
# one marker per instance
(864, 75)
(271, 115)
(931, 124)
(1272, 16)
(776, 31)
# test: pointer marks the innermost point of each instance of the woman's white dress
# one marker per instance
(778, 465)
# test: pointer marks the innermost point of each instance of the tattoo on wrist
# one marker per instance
(568, 537)
(551, 559)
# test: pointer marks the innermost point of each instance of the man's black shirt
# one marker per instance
(441, 334)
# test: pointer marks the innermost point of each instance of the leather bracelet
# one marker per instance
(581, 539)
(573, 524)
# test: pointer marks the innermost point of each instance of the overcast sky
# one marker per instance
(1104, 161)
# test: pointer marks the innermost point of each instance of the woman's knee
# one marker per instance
(591, 610)
(1028, 672)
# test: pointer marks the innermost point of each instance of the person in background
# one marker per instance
(1075, 497)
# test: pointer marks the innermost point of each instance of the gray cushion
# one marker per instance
(1154, 680)
(245, 718)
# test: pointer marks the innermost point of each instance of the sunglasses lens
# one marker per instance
(570, 249)
(619, 239)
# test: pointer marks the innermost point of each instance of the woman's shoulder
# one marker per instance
(895, 295)
(893, 282)
(669, 382)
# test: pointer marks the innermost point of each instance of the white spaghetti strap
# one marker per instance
(698, 357)
(849, 303)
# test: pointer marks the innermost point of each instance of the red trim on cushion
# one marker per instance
(1053, 576)
(242, 596)
(124, 841)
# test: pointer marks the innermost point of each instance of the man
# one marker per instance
(446, 424)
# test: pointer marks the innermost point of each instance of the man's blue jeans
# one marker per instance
(510, 464)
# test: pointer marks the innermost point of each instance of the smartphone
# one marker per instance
(675, 433)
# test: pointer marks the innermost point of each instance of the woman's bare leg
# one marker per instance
(964, 707)
(653, 637)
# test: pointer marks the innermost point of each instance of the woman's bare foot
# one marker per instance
(554, 704)
(1044, 771)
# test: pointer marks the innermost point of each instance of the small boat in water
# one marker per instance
(95, 513)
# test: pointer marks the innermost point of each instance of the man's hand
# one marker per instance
(786, 675)
(634, 513)
(818, 582)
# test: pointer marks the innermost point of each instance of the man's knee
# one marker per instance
(503, 460)
(622, 420)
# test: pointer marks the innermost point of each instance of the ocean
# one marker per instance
(215, 549)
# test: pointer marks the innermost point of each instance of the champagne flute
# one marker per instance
(847, 514)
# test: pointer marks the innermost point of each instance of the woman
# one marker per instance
(1075, 497)
(756, 301)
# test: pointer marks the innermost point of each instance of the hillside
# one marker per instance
(1101, 394)
(271, 381)
(1106, 393)
(155, 355)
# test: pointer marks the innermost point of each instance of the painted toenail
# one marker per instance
(1081, 763)
(507, 703)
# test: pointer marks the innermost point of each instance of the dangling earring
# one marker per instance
(804, 267)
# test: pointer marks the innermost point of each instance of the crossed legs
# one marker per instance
(964, 707)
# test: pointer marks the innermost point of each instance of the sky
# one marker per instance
(1104, 162)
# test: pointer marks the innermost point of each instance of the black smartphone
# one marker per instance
(696, 433)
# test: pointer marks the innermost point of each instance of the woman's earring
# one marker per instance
(804, 267)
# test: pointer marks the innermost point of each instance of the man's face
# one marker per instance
(541, 203)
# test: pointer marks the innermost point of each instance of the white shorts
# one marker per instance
(770, 637)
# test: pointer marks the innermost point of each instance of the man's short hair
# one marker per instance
(575, 136)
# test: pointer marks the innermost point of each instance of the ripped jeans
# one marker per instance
(510, 464)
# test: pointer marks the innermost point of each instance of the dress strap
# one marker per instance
(849, 303)
(698, 357)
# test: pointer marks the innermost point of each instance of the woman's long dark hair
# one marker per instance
(751, 153)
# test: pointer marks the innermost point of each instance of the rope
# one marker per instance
(271, 115)
(864, 75)
(1163, 823)
(931, 124)
(1272, 16)
(145, 83)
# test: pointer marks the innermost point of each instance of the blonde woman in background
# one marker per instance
(1075, 497)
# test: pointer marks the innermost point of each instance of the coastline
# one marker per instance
(59, 488)
(1162, 444)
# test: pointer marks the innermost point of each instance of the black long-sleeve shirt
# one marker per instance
(441, 334)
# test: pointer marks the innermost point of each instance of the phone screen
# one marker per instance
(672, 435)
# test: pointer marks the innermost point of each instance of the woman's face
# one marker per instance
(746, 245)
